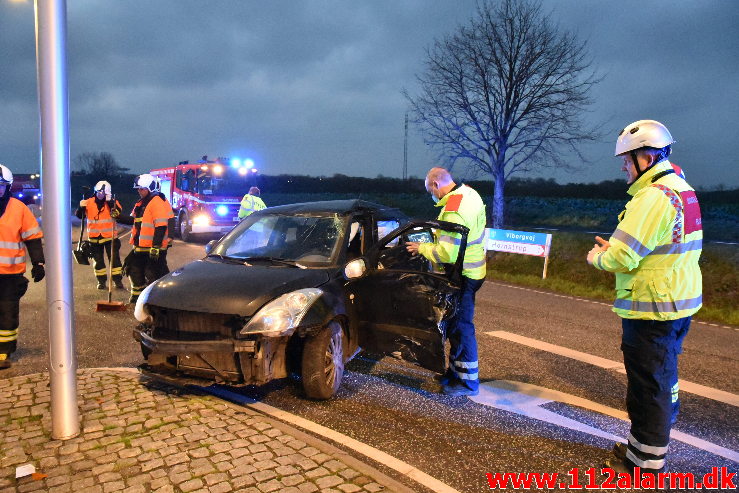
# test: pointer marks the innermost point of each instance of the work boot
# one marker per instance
(625, 466)
(457, 389)
(101, 285)
(446, 378)
(619, 451)
(119, 284)
(4, 362)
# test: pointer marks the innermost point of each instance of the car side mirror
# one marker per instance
(209, 246)
(354, 269)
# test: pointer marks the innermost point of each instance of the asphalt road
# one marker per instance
(396, 407)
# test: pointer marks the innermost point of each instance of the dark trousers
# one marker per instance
(461, 335)
(650, 351)
(143, 271)
(99, 252)
(12, 289)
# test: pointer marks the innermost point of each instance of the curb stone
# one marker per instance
(138, 435)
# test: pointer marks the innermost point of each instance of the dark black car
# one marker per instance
(301, 288)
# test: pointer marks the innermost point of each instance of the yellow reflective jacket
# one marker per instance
(249, 205)
(463, 205)
(655, 249)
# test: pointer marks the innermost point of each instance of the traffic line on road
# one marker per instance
(362, 448)
(525, 399)
(691, 387)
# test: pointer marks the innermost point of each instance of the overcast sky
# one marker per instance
(314, 87)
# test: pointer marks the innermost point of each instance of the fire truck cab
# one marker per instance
(205, 196)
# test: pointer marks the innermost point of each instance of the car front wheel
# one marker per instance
(323, 362)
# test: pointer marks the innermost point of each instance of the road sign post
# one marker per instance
(521, 242)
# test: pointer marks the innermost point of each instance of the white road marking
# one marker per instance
(507, 396)
(362, 448)
(693, 388)
(524, 399)
(562, 351)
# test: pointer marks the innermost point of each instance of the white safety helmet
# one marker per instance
(104, 186)
(643, 133)
(6, 176)
(147, 181)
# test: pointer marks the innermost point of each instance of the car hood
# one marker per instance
(212, 286)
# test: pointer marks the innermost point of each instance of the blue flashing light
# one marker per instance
(248, 163)
(236, 162)
(222, 210)
(20, 195)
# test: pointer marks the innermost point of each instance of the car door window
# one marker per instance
(394, 255)
(386, 227)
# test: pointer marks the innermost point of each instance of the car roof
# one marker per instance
(341, 207)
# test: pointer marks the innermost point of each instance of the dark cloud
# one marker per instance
(314, 86)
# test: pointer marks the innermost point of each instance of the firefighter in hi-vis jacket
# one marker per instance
(153, 222)
(17, 227)
(654, 253)
(251, 203)
(101, 211)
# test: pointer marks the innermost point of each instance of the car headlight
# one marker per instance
(283, 313)
(201, 220)
(140, 311)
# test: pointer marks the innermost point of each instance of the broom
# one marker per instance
(110, 305)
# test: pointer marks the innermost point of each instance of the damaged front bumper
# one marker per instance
(214, 360)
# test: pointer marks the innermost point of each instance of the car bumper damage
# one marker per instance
(188, 347)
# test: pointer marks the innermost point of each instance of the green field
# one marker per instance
(568, 272)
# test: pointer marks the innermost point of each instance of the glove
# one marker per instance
(154, 253)
(83, 203)
(115, 212)
(38, 272)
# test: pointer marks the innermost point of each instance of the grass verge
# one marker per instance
(569, 273)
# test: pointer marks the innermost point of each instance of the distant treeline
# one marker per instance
(517, 187)
(343, 184)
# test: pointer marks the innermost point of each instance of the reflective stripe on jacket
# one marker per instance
(655, 249)
(157, 213)
(463, 205)
(17, 225)
(99, 221)
(249, 205)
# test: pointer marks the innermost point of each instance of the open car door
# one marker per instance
(402, 302)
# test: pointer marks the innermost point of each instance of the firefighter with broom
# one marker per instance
(101, 211)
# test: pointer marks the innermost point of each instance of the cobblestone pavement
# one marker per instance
(139, 436)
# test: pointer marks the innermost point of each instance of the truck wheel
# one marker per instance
(184, 228)
(323, 362)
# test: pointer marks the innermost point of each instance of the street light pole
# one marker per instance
(51, 65)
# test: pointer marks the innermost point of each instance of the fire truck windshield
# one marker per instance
(221, 181)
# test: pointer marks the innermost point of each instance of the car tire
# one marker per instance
(323, 362)
(145, 351)
(184, 229)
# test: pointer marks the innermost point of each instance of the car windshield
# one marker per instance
(306, 239)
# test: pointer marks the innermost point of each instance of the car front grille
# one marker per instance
(182, 324)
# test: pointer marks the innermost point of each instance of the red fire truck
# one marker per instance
(27, 188)
(206, 195)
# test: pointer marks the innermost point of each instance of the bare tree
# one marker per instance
(98, 164)
(505, 93)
